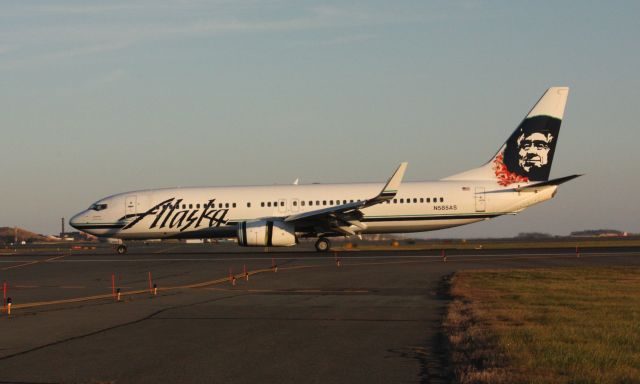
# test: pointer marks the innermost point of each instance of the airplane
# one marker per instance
(515, 178)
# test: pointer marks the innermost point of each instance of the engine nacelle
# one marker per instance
(266, 233)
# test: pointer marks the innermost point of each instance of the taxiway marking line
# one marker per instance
(26, 286)
(32, 263)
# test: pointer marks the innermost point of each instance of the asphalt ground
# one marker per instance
(374, 318)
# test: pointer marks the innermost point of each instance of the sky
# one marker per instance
(98, 98)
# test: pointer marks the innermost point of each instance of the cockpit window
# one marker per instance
(98, 207)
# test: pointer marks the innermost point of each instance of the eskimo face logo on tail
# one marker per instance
(528, 154)
(167, 214)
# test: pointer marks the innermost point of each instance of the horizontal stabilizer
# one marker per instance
(557, 181)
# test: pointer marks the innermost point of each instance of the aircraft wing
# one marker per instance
(342, 217)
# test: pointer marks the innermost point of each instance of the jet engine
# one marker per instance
(266, 233)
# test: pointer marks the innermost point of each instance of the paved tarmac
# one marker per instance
(375, 318)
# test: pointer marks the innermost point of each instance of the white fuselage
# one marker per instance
(204, 212)
(516, 177)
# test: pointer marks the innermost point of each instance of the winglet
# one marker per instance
(391, 188)
(388, 192)
(394, 182)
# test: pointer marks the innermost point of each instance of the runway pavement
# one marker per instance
(374, 318)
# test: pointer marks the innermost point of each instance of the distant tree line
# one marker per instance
(533, 235)
(598, 232)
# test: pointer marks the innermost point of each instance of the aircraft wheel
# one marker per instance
(122, 249)
(323, 244)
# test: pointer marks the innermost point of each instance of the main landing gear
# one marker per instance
(323, 244)
(121, 249)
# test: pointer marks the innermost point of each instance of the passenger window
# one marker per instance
(395, 201)
(428, 199)
(184, 206)
(302, 203)
(268, 203)
(351, 201)
(282, 203)
(442, 199)
(295, 203)
(248, 205)
(330, 202)
(198, 206)
(262, 203)
(415, 200)
(317, 202)
(324, 202)
(422, 199)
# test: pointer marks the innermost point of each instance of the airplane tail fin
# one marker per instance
(527, 154)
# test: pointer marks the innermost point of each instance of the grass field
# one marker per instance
(568, 244)
(572, 325)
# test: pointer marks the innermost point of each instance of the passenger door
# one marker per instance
(131, 206)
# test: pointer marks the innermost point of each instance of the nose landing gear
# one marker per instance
(121, 249)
